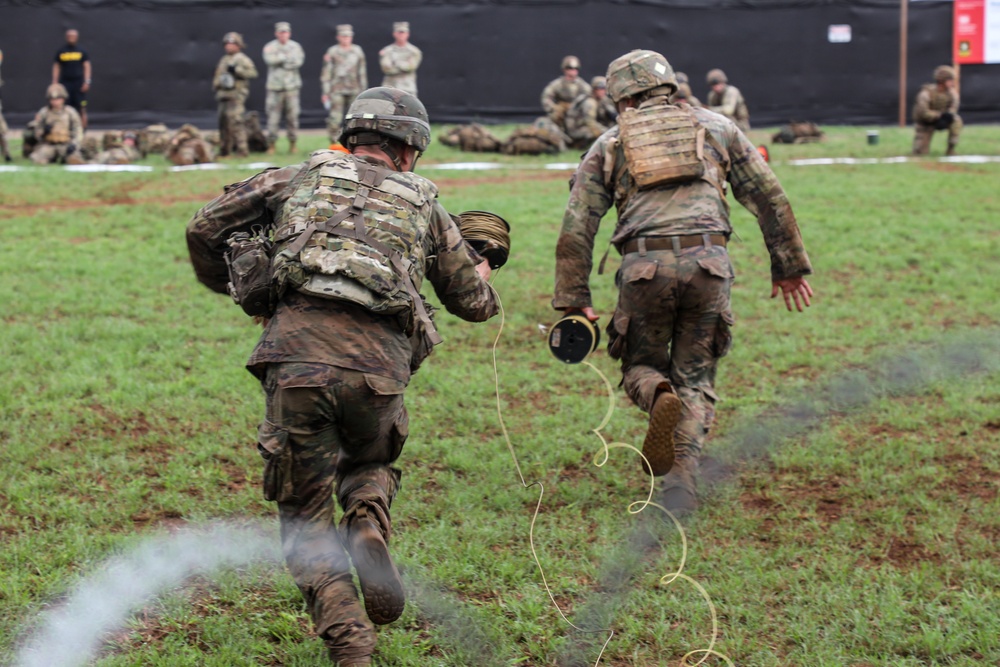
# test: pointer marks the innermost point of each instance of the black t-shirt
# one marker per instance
(71, 59)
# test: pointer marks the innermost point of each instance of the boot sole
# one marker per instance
(658, 448)
(380, 583)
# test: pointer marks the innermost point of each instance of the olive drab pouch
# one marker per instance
(272, 444)
(249, 263)
(663, 144)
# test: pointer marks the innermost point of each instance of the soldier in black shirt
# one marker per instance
(72, 69)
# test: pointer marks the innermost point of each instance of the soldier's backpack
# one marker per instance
(798, 133)
(256, 139)
(472, 138)
(153, 139)
(663, 144)
(543, 137)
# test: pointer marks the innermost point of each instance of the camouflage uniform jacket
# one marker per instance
(245, 70)
(730, 103)
(345, 71)
(59, 127)
(931, 103)
(696, 207)
(283, 63)
(591, 114)
(563, 91)
(335, 333)
(399, 64)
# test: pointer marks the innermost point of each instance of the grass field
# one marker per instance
(854, 520)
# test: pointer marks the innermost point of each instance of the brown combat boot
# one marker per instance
(381, 585)
(658, 447)
(678, 491)
(950, 151)
(270, 149)
(291, 148)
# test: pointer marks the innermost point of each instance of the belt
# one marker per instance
(674, 243)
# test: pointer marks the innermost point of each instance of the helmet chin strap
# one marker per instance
(387, 149)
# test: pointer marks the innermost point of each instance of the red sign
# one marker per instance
(969, 32)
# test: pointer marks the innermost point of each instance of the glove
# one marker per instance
(944, 121)
(231, 69)
(70, 148)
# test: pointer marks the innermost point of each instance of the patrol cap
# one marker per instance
(716, 76)
(944, 73)
(401, 26)
(599, 82)
(571, 62)
(55, 91)
(233, 38)
(282, 26)
(345, 29)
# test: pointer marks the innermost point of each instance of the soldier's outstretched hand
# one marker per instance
(796, 289)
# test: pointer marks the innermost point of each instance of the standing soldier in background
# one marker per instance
(4, 147)
(400, 60)
(232, 86)
(284, 58)
(672, 321)
(684, 90)
(72, 69)
(936, 108)
(345, 74)
(58, 129)
(337, 354)
(560, 93)
(590, 115)
(727, 100)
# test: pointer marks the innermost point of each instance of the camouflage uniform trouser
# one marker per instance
(671, 327)
(922, 135)
(4, 147)
(49, 153)
(232, 130)
(282, 104)
(339, 104)
(329, 431)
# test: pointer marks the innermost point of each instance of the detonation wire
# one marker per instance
(633, 508)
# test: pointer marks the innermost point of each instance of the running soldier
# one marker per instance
(355, 235)
(400, 60)
(345, 74)
(672, 321)
(284, 58)
(232, 86)
(936, 108)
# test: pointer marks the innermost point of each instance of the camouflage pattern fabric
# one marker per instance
(730, 103)
(672, 321)
(283, 64)
(399, 66)
(542, 137)
(153, 139)
(238, 86)
(798, 133)
(89, 147)
(282, 104)
(118, 155)
(333, 375)
(589, 118)
(187, 147)
(257, 140)
(559, 94)
(60, 134)
(232, 129)
(928, 108)
(344, 75)
(473, 138)
(4, 148)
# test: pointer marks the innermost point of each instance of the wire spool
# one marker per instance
(573, 338)
(488, 234)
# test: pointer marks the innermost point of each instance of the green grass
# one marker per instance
(866, 536)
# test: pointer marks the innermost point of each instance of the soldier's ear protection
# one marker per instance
(573, 338)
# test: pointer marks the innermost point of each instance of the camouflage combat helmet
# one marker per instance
(639, 71)
(716, 76)
(233, 38)
(388, 112)
(570, 62)
(56, 90)
(599, 82)
(943, 73)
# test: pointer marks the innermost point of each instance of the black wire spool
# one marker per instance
(488, 234)
(573, 338)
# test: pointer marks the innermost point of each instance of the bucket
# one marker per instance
(872, 137)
